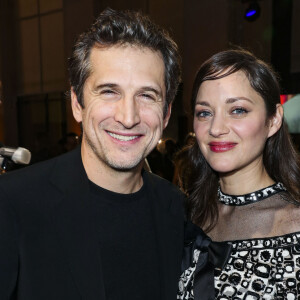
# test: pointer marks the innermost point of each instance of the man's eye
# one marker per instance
(108, 92)
(148, 96)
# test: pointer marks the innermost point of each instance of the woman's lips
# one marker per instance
(221, 146)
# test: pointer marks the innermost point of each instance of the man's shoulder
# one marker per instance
(162, 185)
(166, 195)
(32, 176)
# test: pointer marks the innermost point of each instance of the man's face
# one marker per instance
(124, 98)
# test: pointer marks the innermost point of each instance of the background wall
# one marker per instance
(36, 38)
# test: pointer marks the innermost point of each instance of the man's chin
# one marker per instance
(126, 167)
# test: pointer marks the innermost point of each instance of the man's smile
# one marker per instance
(123, 138)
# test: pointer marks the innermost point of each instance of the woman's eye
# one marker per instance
(203, 114)
(239, 111)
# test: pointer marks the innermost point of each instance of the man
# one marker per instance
(91, 224)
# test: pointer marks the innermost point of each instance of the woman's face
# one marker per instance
(230, 124)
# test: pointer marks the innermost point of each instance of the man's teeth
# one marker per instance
(123, 138)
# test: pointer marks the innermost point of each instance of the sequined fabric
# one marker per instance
(258, 268)
(266, 268)
(252, 197)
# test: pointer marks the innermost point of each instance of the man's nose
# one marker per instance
(218, 126)
(127, 112)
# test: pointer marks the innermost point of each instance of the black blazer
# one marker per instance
(48, 241)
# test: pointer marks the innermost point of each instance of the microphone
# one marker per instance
(17, 155)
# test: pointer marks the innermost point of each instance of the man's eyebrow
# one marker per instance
(156, 91)
(105, 85)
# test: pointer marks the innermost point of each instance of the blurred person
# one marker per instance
(190, 139)
(182, 169)
(41, 147)
(155, 161)
(292, 113)
(182, 166)
(170, 150)
(161, 158)
(91, 224)
(245, 190)
(69, 142)
(292, 118)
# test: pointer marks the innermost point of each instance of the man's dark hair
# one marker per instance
(119, 28)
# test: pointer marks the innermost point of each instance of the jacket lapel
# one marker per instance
(74, 221)
(169, 232)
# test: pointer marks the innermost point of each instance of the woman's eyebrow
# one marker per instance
(235, 99)
(203, 103)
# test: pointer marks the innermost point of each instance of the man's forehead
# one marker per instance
(126, 45)
(113, 58)
(125, 48)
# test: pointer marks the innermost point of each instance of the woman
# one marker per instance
(246, 181)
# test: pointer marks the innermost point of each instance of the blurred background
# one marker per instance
(36, 38)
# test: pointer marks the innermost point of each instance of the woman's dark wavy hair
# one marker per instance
(121, 28)
(280, 158)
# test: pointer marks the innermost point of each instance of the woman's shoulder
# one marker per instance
(290, 217)
(285, 213)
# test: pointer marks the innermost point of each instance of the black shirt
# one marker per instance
(127, 244)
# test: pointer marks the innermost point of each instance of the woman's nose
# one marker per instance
(218, 126)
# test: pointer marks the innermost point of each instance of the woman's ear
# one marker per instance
(276, 121)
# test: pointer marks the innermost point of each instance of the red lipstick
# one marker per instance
(221, 146)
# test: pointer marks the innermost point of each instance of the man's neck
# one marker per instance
(118, 181)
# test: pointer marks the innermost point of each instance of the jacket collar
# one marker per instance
(73, 220)
(168, 227)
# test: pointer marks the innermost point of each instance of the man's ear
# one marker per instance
(76, 107)
(167, 116)
(276, 121)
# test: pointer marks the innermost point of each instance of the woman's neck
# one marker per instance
(245, 181)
